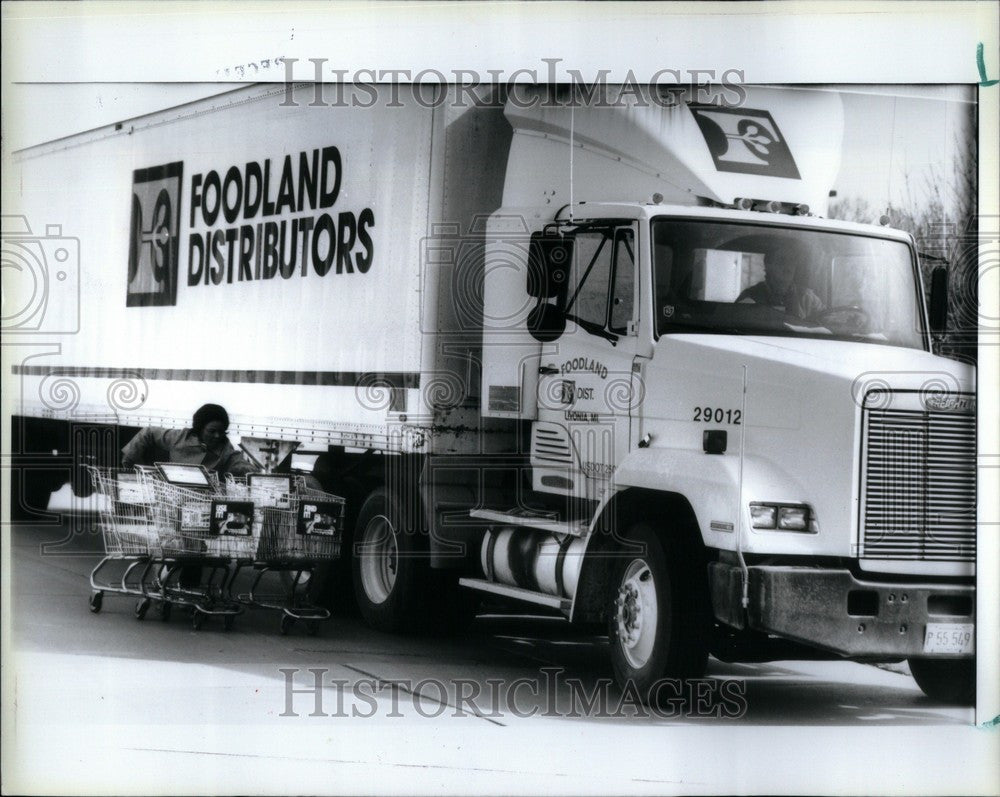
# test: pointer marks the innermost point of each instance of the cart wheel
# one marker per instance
(286, 623)
(227, 622)
(165, 612)
(96, 599)
(312, 627)
(141, 608)
(197, 620)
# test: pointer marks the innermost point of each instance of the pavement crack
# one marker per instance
(421, 695)
(380, 762)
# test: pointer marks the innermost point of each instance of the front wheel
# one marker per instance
(388, 570)
(946, 680)
(655, 617)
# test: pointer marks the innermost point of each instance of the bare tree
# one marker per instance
(942, 217)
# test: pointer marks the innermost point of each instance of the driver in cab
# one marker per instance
(780, 290)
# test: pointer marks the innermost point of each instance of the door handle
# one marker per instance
(547, 370)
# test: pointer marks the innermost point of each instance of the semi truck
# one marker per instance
(607, 359)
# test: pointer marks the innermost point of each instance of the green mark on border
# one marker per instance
(981, 63)
(993, 723)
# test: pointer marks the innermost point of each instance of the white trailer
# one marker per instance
(271, 246)
(549, 349)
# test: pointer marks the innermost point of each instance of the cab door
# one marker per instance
(586, 384)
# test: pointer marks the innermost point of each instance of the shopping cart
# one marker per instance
(299, 529)
(126, 521)
(200, 531)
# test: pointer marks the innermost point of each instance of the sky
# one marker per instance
(892, 134)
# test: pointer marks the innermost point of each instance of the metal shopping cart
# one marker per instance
(300, 529)
(201, 531)
(130, 540)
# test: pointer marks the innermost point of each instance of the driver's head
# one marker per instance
(779, 270)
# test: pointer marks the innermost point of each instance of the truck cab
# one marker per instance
(740, 400)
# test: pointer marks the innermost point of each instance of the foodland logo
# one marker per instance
(745, 141)
(249, 222)
(153, 236)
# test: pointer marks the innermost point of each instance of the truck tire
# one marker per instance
(946, 680)
(388, 567)
(655, 616)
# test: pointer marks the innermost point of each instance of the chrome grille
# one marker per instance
(920, 486)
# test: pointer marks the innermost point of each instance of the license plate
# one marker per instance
(949, 638)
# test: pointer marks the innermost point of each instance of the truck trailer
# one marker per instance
(604, 358)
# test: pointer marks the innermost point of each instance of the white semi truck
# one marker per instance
(608, 359)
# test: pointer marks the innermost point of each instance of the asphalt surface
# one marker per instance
(105, 702)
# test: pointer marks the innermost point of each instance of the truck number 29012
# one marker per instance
(718, 415)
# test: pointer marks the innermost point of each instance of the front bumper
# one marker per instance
(833, 610)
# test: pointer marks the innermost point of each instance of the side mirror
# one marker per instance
(549, 257)
(546, 322)
(939, 300)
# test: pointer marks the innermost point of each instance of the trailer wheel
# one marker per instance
(946, 680)
(303, 585)
(387, 573)
(654, 617)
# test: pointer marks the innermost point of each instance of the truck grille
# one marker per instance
(919, 495)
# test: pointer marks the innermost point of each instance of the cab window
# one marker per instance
(602, 285)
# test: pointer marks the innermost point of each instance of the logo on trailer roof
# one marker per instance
(154, 235)
(745, 141)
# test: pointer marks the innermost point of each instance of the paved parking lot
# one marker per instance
(516, 703)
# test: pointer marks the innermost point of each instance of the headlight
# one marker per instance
(793, 518)
(783, 517)
(763, 515)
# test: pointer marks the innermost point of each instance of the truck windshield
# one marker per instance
(745, 279)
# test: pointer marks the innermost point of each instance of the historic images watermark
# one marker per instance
(563, 87)
(311, 692)
(41, 270)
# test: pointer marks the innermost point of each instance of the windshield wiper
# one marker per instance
(595, 329)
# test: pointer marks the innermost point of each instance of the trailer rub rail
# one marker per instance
(397, 379)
